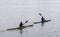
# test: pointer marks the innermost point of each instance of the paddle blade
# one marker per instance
(39, 13)
(26, 21)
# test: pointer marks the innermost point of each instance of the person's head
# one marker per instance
(21, 22)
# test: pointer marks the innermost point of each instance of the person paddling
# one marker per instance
(21, 23)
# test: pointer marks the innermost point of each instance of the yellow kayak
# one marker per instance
(20, 28)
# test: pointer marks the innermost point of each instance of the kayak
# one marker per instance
(20, 28)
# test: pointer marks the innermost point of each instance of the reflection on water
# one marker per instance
(21, 31)
(35, 31)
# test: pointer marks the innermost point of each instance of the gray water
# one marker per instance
(12, 12)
